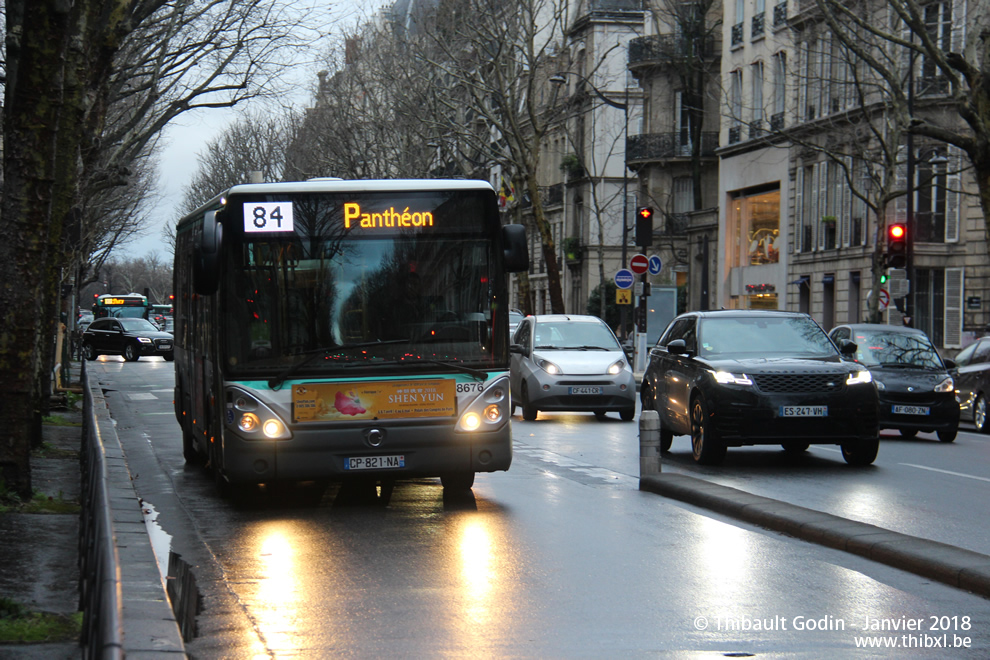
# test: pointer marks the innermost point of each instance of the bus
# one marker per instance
(331, 330)
(132, 305)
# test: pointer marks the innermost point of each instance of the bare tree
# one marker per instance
(922, 50)
(197, 53)
(498, 58)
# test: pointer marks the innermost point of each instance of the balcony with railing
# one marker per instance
(612, 10)
(553, 195)
(737, 34)
(780, 15)
(668, 146)
(758, 25)
(671, 49)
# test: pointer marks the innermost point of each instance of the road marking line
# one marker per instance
(139, 396)
(955, 474)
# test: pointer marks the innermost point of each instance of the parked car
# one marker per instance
(569, 363)
(731, 378)
(130, 337)
(915, 390)
(85, 318)
(515, 316)
(971, 374)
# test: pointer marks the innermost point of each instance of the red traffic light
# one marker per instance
(897, 247)
(645, 212)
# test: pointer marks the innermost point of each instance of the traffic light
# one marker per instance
(644, 226)
(896, 245)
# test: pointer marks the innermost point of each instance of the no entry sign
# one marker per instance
(639, 264)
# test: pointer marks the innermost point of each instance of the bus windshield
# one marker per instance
(353, 286)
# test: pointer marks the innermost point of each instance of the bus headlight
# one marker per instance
(248, 422)
(489, 411)
(253, 419)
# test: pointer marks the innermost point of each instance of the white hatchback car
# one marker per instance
(564, 362)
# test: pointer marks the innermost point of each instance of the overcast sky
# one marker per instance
(186, 137)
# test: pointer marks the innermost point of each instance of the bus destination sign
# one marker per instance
(386, 219)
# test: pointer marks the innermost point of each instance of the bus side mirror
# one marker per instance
(514, 250)
(206, 261)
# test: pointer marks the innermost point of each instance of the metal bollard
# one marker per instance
(649, 443)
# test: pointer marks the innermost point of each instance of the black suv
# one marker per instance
(915, 389)
(129, 337)
(731, 378)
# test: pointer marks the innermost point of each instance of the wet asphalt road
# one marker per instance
(561, 556)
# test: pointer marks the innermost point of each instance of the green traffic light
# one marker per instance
(883, 279)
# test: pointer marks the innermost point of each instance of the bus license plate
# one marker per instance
(375, 463)
(586, 390)
(912, 410)
(804, 411)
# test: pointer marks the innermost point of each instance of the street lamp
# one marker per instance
(558, 79)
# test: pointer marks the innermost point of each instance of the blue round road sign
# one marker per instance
(624, 278)
(655, 265)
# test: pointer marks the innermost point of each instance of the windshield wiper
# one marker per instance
(548, 346)
(589, 348)
(276, 382)
(475, 373)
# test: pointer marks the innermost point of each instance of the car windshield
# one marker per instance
(763, 336)
(574, 335)
(137, 325)
(895, 349)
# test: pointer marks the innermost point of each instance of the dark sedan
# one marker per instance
(972, 377)
(731, 378)
(913, 382)
(130, 337)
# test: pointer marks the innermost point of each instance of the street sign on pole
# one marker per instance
(639, 264)
(623, 297)
(624, 278)
(656, 265)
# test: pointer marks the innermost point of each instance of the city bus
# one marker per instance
(132, 305)
(334, 330)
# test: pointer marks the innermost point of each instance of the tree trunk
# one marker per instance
(35, 51)
(549, 249)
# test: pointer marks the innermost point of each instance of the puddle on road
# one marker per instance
(177, 576)
(161, 541)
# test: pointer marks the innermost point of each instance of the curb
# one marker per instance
(945, 563)
(148, 624)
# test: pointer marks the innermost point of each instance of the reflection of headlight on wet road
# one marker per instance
(476, 560)
(277, 591)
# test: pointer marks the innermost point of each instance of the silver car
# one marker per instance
(563, 362)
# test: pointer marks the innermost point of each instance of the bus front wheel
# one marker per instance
(457, 481)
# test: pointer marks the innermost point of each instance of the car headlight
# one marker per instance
(616, 367)
(144, 340)
(727, 378)
(880, 385)
(946, 385)
(549, 367)
(859, 377)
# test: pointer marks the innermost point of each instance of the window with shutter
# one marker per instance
(953, 307)
(799, 212)
(953, 199)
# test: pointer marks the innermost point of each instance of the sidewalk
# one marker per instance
(40, 567)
